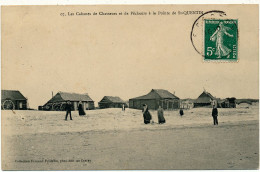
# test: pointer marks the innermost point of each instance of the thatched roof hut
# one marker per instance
(204, 100)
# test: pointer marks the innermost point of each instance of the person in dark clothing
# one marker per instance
(68, 109)
(146, 114)
(161, 119)
(181, 112)
(81, 110)
(215, 116)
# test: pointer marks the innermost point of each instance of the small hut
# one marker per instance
(227, 103)
(58, 102)
(13, 100)
(155, 98)
(204, 100)
(111, 102)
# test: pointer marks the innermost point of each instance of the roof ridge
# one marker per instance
(111, 96)
(114, 98)
(157, 93)
(10, 90)
(72, 93)
(160, 90)
(161, 93)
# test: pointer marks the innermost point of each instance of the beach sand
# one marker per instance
(112, 139)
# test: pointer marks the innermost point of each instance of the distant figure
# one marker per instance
(161, 119)
(181, 112)
(215, 116)
(68, 109)
(146, 114)
(81, 110)
(123, 107)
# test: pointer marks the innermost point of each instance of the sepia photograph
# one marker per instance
(130, 87)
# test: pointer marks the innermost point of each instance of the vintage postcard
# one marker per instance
(130, 87)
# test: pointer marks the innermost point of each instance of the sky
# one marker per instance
(125, 56)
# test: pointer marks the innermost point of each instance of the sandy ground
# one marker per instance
(112, 139)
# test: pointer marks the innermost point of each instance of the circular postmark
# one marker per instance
(214, 36)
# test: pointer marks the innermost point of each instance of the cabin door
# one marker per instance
(84, 105)
(20, 105)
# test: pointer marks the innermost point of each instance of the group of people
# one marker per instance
(148, 117)
(69, 107)
(146, 114)
(161, 120)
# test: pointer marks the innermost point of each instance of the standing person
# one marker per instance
(146, 114)
(68, 109)
(80, 109)
(181, 112)
(161, 119)
(123, 107)
(215, 115)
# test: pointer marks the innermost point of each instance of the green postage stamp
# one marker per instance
(220, 40)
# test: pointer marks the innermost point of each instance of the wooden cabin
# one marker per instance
(111, 102)
(155, 98)
(13, 100)
(58, 102)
